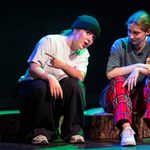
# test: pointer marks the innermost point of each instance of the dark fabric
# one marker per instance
(40, 112)
(35, 103)
(88, 23)
(120, 123)
(73, 110)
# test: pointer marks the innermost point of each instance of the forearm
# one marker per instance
(69, 70)
(145, 71)
(121, 71)
(37, 72)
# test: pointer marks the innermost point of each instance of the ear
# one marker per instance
(148, 32)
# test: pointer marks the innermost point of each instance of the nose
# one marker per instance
(131, 36)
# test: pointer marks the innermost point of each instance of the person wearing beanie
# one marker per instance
(52, 86)
(88, 23)
(128, 70)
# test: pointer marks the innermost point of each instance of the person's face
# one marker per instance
(82, 38)
(136, 34)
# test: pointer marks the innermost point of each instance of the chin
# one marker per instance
(82, 47)
(133, 42)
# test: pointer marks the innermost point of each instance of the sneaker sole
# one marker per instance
(128, 144)
(43, 142)
(79, 141)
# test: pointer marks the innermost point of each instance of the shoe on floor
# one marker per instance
(40, 139)
(127, 137)
(77, 139)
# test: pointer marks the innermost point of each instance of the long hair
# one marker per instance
(66, 32)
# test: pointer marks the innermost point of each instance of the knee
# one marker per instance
(40, 85)
(75, 84)
(118, 80)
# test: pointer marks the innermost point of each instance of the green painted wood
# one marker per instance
(9, 112)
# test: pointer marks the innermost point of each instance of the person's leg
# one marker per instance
(74, 104)
(34, 101)
(146, 92)
(117, 101)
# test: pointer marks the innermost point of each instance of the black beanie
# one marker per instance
(88, 23)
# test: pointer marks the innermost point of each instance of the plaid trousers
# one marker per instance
(123, 103)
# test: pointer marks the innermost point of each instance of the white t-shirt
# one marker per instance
(56, 45)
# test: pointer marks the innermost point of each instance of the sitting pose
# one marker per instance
(128, 71)
(53, 84)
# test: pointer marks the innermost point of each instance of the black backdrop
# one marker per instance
(23, 23)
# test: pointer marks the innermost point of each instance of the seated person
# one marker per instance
(53, 84)
(128, 71)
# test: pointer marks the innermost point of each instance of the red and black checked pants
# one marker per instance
(123, 103)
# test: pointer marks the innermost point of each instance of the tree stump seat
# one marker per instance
(99, 125)
(9, 125)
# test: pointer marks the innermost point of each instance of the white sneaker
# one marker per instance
(76, 139)
(127, 137)
(40, 139)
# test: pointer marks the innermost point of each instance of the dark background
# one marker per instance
(23, 23)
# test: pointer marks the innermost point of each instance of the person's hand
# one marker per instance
(55, 88)
(132, 79)
(55, 61)
(148, 68)
(148, 60)
(148, 65)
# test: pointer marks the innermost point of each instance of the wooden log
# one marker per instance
(9, 125)
(99, 125)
